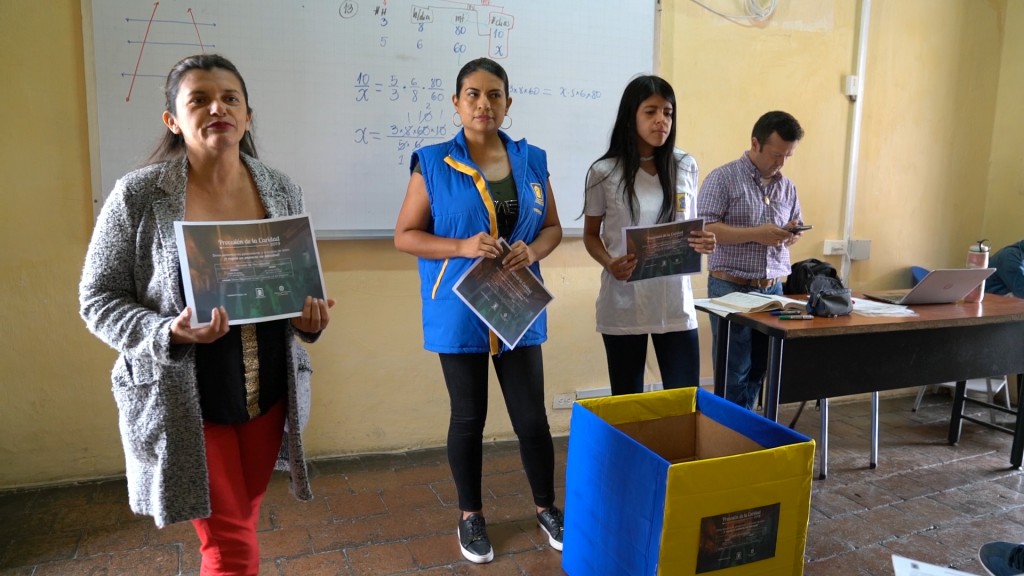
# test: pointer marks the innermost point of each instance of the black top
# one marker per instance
(506, 202)
(220, 372)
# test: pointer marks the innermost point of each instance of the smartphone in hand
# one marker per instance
(798, 229)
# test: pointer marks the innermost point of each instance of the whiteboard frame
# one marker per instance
(92, 109)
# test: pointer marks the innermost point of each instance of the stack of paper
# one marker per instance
(865, 307)
(907, 567)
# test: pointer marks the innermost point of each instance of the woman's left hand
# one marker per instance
(315, 315)
(703, 241)
(520, 256)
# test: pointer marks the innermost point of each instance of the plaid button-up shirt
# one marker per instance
(733, 195)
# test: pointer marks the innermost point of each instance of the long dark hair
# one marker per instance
(623, 145)
(172, 146)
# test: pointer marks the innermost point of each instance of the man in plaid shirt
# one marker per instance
(752, 208)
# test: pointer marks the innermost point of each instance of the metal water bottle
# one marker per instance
(977, 257)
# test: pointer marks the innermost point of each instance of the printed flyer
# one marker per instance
(258, 270)
(663, 249)
(737, 538)
(508, 302)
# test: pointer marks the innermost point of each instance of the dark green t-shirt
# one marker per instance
(506, 203)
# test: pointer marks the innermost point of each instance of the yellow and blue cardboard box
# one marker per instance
(683, 482)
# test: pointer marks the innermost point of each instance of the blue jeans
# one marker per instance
(748, 350)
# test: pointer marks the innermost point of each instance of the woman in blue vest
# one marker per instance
(463, 195)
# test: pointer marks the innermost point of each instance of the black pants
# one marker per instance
(678, 360)
(521, 377)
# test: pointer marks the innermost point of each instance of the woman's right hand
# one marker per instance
(622, 267)
(182, 331)
(483, 244)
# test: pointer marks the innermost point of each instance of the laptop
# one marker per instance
(937, 287)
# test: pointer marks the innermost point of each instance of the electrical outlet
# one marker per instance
(835, 247)
(563, 401)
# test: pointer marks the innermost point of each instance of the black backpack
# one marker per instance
(804, 271)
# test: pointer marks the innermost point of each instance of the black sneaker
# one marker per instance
(473, 540)
(551, 522)
(1002, 558)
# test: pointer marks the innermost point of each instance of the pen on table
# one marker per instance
(796, 317)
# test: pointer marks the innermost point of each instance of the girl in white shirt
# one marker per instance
(642, 180)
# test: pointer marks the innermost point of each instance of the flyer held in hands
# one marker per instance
(258, 270)
(508, 302)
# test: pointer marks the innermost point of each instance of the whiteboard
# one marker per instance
(343, 91)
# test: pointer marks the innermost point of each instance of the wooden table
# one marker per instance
(829, 357)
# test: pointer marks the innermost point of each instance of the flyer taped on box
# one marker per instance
(258, 270)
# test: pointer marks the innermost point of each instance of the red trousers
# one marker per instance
(240, 459)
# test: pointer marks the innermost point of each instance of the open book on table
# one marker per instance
(756, 302)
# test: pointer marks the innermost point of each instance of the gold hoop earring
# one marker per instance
(509, 118)
(457, 120)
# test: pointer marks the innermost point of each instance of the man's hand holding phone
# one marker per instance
(798, 228)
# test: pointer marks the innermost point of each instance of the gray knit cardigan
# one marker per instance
(129, 295)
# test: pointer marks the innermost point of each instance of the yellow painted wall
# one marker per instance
(1005, 205)
(57, 419)
(928, 119)
(942, 133)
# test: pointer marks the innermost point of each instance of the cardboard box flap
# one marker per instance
(688, 437)
(714, 440)
(673, 438)
(769, 434)
(616, 410)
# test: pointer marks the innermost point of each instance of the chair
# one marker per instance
(917, 274)
(990, 386)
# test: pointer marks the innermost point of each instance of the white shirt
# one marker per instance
(656, 305)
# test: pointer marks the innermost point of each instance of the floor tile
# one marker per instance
(397, 513)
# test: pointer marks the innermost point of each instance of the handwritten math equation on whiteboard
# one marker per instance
(420, 105)
(466, 21)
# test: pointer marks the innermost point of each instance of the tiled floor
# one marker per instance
(396, 514)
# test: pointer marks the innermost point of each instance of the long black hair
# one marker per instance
(172, 146)
(623, 146)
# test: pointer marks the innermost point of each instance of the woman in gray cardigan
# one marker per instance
(205, 412)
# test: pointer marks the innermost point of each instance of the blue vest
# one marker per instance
(461, 207)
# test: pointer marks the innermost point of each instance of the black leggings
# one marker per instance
(678, 360)
(521, 377)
